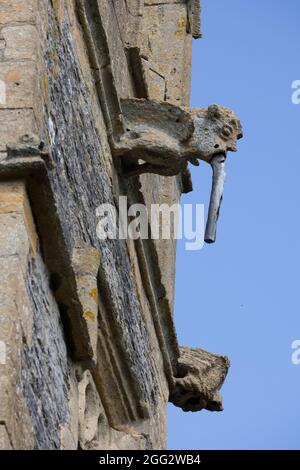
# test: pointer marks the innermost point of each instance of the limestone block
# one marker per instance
(162, 2)
(116, 47)
(20, 42)
(155, 82)
(200, 376)
(70, 431)
(165, 39)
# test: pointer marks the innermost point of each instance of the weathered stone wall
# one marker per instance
(89, 351)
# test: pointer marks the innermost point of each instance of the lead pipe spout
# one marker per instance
(218, 180)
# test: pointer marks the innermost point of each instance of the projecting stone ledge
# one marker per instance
(201, 374)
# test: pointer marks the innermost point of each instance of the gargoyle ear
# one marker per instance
(213, 112)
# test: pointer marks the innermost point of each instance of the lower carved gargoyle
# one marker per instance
(200, 376)
(162, 138)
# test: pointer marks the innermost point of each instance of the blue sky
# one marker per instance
(247, 60)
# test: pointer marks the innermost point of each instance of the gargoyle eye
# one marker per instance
(227, 131)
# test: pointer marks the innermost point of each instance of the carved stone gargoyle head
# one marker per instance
(216, 131)
(200, 377)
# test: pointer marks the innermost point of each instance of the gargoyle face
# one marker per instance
(216, 131)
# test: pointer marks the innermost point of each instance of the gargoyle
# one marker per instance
(200, 377)
(165, 137)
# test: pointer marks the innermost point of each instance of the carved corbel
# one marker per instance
(90, 412)
(200, 376)
(194, 18)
